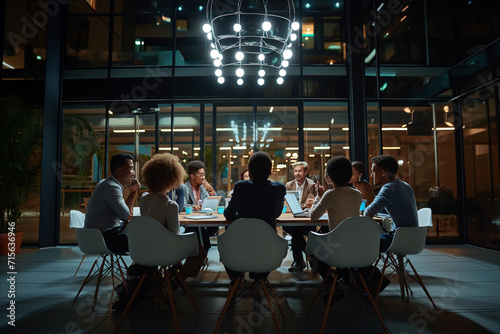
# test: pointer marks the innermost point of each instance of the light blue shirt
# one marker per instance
(398, 199)
(106, 208)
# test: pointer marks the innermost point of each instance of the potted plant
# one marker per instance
(20, 163)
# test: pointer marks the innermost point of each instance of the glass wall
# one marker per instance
(84, 133)
(426, 156)
(326, 134)
(480, 111)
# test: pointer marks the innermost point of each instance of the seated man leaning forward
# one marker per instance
(395, 196)
(398, 199)
(107, 209)
(256, 198)
(162, 173)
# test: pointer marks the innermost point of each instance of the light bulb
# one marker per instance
(240, 72)
(293, 37)
(262, 73)
(237, 27)
(214, 54)
(207, 28)
(220, 80)
(279, 80)
(239, 56)
(209, 36)
(295, 26)
(285, 63)
(260, 81)
(240, 81)
(217, 63)
(218, 72)
(282, 73)
(287, 54)
(261, 57)
(266, 25)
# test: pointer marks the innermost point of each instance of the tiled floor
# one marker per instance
(464, 281)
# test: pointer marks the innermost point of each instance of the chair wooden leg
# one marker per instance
(379, 286)
(172, 304)
(76, 272)
(422, 284)
(226, 305)
(87, 279)
(358, 296)
(322, 286)
(124, 281)
(127, 308)
(379, 316)
(190, 296)
(400, 271)
(270, 303)
(374, 267)
(99, 278)
(275, 298)
(327, 308)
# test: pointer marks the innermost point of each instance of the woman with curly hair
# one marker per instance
(161, 174)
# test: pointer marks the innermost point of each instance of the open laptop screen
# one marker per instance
(211, 202)
(293, 204)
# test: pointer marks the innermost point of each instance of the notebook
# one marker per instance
(210, 203)
(294, 205)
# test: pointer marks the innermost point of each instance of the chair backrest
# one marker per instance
(76, 219)
(425, 217)
(91, 241)
(251, 245)
(408, 240)
(354, 243)
(151, 244)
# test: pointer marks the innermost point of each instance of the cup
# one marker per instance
(220, 209)
(284, 209)
(189, 209)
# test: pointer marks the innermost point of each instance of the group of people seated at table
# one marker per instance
(111, 205)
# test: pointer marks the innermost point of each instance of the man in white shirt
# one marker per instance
(107, 209)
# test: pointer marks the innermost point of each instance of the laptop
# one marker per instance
(294, 205)
(210, 203)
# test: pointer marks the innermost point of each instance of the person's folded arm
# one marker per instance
(319, 207)
(117, 203)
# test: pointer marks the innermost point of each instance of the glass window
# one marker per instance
(325, 135)
(25, 36)
(87, 41)
(481, 159)
(192, 45)
(408, 135)
(89, 6)
(143, 40)
(81, 167)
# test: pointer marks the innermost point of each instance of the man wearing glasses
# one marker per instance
(195, 191)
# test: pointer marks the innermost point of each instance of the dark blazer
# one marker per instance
(256, 199)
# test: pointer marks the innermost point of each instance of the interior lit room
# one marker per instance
(217, 81)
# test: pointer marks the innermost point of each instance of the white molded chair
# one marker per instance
(151, 244)
(353, 244)
(77, 220)
(251, 245)
(91, 242)
(407, 241)
(425, 217)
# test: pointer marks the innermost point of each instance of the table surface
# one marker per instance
(286, 219)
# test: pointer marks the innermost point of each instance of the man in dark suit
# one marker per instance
(256, 198)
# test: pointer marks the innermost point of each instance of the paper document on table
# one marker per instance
(201, 216)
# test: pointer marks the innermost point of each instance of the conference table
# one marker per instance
(286, 219)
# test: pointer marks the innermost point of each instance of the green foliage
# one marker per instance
(20, 156)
